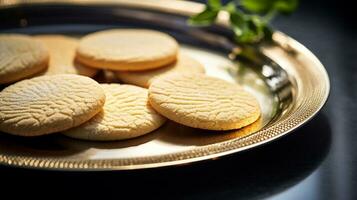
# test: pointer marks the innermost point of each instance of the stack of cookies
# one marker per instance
(54, 88)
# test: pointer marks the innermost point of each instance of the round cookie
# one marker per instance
(126, 114)
(21, 57)
(62, 51)
(127, 49)
(49, 104)
(203, 102)
(184, 64)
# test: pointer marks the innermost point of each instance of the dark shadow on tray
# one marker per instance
(57, 145)
(104, 76)
(33, 146)
(178, 134)
(257, 173)
(82, 145)
(170, 132)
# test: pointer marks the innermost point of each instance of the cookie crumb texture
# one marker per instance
(204, 102)
(126, 114)
(21, 57)
(49, 104)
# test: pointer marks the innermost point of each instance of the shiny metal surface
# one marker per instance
(289, 82)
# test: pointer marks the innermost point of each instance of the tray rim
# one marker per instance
(212, 151)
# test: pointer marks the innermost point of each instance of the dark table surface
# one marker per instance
(318, 161)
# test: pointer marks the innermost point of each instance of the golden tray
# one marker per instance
(288, 80)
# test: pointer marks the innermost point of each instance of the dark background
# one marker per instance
(318, 161)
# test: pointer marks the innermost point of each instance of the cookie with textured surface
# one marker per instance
(127, 49)
(21, 57)
(49, 104)
(200, 101)
(126, 114)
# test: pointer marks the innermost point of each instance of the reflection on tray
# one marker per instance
(172, 133)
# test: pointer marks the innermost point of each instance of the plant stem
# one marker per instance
(269, 16)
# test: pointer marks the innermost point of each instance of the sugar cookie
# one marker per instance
(49, 104)
(21, 57)
(184, 64)
(127, 49)
(62, 51)
(126, 114)
(204, 102)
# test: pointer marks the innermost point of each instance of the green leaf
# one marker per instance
(238, 23)
(249, 24)
(230, 7)
(214, 4)
(248, 28)
(253, 32)
(259, 25)
(258, 6)
(286, 6)
(264, 6)
(205, 18)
